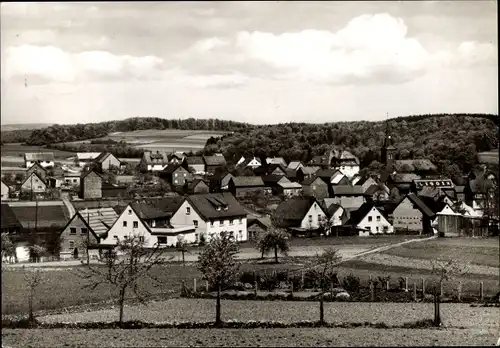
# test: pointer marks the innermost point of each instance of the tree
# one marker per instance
(181, 246)
(444, 271)
(124, 272)
(36, 251)
(275, 239)
(33, 279)
(326, 263)
(219, 266)
(8, 248)
(394, 196)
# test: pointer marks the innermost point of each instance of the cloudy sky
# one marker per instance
(258, 62)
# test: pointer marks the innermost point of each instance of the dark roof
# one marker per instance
(84, 175)
(37, 166)
(415, 165)
(264, 222)
(326, 173)
(429, 192)
(308, 181)
(46, 215)
(171, 167)
(103, 156)
(435, 206)
(459, 189)
(308, 170)
(194, 160)
(216, 205)
(247, 181)
(347, 190)
(293, 210)
(165, 204)
(373, 189)
(404, 177)
(333, 208)
(271, 179)
(420, 205)
(214, 160)
(291, 173)
(148, 211)
(195, 183)
(362, 180)
(358, 215)
(8, 218)
(273, 166)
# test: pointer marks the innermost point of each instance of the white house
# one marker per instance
(371, 220)
(86, 157)
(45, 159)
(153, 161)
(313, 217)
(337, 215)
(212, 214)
(34, 183)
(249, 162)
(5, 191)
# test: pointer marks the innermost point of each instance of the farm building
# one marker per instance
(449, 222)
(240, 186)
(198, 186)
(176, 175)
(344, 161)
(220, 182)
(45, 159)
(91, 185)
(289, 189)
(411, 214)
(194, 164)
(304, 173)
(34, 183)
(153, 161)
(75, 234)
(83, 158)
(315, 187)
(257, 226)
(106, 161)
(295, 165)
(370, 220)
(212, 214)
(5, 191)
(213, 162)
(300, 215)
(276, 160)
(39, 170)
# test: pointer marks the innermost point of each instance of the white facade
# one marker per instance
(336, 219)
(33, 183)
(254, 163)
(336, 178)
(349, 170)
(128, 224)
(313, 217)
(5, 191)
(375, 223)
(187, 215)
(84, 158)
(44, 164)
(156, 167)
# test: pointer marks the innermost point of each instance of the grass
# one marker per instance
(16, 150)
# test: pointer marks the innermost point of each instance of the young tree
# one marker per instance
(33, 279)
(219, 266)
(123, 267)
(8, 248)
(181, 247)
(275, 239)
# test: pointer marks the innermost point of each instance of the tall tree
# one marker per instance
(277, 240)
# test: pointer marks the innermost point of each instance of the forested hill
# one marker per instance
(65, 133)
(450, 141)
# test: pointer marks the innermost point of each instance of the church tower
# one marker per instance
(388, 150)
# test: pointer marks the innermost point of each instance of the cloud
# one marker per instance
(53, 64)
(369, 49)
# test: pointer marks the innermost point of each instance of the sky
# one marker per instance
(256, 62)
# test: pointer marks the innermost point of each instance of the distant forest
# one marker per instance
(67, 133)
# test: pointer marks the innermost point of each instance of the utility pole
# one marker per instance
(88, 237)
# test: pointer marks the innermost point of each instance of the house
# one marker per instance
(39, 170)
(402, 181)
(220, 182)
(301, 215)
(33, 183)
(306, 172)
(106, 161)
(8, 222)
(213, 162)
(295, 165)
(153, 161)
(212, 214)
(75, 234)
(194, 164)
(337, 214)
(345, 161)
(240, 186)
(83, 158)
(45, 159)
(320, 161)
(5, 191)
(449, 222)
(100, 219)
(378, 192)
(198, 186)
(411, 214)
(271, 169)
(176, 174)
(340, 178)
(276, 160)
(252, 162)
(291, 174)
(365, 182)
(113, 190)
(370, 220)
(71, 179)
(257, 226)
(151, 215)
(289, 189)
(315, 187)
(328, 175)
(478, 187)
(176, 158)
(91, 185)
(272, 181)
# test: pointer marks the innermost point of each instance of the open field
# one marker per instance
(23, 126)
(303, 337)
(18, 150)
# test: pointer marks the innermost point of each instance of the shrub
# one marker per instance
(311, 279)
(351, 283)
(268, 281)
(247, 277)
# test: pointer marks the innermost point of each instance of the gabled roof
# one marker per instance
(214, 160)
(39, 156)
(247, 181)
(271, 179)
(77, 215)
(290, 185)
(420, 205)
(309, 170)
(37, 166)
(29, 178)
(216, 205)
(347, 190)
(149, 156)
(86, 156)
(166, 204)
(429, 192)
(195, 183)
(276, 160)
(136, 213)
(8, 218)
(219, 176)
(99, 219)
(148, 211)
(326, 173)
(310, 180)
(370, 191)
(84, 175)
(358, 215)
(294, 209)
(333, 208)
(434, 205)
(272, 167)
(415, 165)
(264, 222)
(362, 180)
(103, 156)
(294, 164)
(46, 214)
(291, 173)
(171, 167)
(194, 160)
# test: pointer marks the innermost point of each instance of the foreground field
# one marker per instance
(308, 337)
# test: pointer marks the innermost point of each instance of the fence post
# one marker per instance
(372, 292)
(459, 296)
(423, 288)
(387, 285)
(256, 287)
(194, 285)
(302, 279)
(406, 283)
(415, 292)
(481, 290)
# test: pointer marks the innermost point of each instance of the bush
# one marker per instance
(351, 283)
(247, 277)
(268, 281)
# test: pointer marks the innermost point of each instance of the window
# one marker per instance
(230, 222)
(310, 218)
(124, 223)
(184, 174)
(221, 222)
(162, 240)
(367, 227)
(241, 221)
(188, 211)
(195, 223)
(319, 217)
(72, 230)
(74, 180)
(240, 235)
(378, 218)
(136, 224)
(212, 223)
(84, 230)
(175, 181)
(141, 239)
(377, 228)
(115, 238)
(39, 187)
(370, 219)
(175, 174)
(130, 212)
(385, 228)
(71, 244)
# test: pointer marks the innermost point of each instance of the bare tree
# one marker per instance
(124, 265)
(219, 266)
(33, 279)
(8, 248)
(181, 247)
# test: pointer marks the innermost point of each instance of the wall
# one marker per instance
(349, 201)
(406, 217)
(318, 189)
(92, 186)
(77, 238)
(336, 219)
(376, 227)
(349, 171)
(45, 164)
(5, 191)
(180, 218)
(38, 185)
(315, 212)
(201, 188)
(180, 176)
(110, 161)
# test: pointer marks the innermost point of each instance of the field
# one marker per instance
(12, 155)
(304, 337)
(23, 126)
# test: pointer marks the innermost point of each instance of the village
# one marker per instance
(75, 211)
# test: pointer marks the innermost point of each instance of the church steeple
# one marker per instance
(388, 149)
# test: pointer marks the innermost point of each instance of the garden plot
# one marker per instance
(183, 310)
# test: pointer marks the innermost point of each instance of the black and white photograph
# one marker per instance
(249, 174)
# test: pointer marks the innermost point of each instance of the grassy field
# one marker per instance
(18, 150)
(304, 337)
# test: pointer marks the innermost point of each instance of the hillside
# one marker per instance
(23, 126)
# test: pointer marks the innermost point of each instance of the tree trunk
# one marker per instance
(183, 258)
(276, 254)
(437, 314)
(31, 317)
(121, 303)
(321, 310)
(218, 322)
